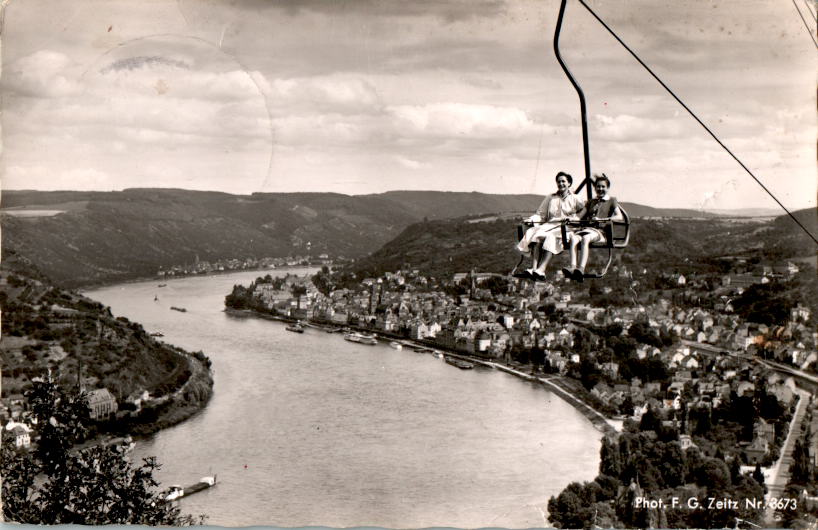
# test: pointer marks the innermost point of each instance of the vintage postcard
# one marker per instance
(456, 263)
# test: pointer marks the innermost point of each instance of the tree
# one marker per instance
(610, 460)
(764, 303)
(642, 332)
(565, 509)
(800, 470)
(589, 374)
(583, 341)
(758, 475)
(239, 298)
(650, 420)
(704, 421)
(495, 284)
(323, 283)
(735, 470)
(536, 357)
(91, 486)
(713, 474)
(298, 291)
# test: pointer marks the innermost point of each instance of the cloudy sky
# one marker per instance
(362, 96)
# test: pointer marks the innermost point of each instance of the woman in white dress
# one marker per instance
(549, 216)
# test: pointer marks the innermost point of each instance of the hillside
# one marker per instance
(122, 235)
(47, 330)
(431, 204)
(82, 238)
(441, 248)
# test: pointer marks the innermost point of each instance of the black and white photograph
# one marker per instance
(409, 264)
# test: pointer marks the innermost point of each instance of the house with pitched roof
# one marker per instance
(102, 404)
(757, 450)
(21, 434)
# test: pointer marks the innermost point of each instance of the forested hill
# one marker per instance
(785, 238)
(443, 204)
(81, 238)
(47, 330)
(442, 248)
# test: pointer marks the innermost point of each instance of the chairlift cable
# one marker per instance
(706, 128)
(805, 23)
(810, 9)
(539, 153)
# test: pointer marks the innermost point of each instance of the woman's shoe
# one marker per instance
(568, 273)
(578, 276)
(537, 277)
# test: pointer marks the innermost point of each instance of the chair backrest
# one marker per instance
(617, 233)
(522, 227)
(621, 230)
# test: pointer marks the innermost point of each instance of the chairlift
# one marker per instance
(617, 233)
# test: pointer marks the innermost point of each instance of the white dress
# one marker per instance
(553, 210)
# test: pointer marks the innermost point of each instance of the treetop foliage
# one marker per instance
(58, 485)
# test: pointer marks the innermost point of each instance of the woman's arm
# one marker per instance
(542, 212)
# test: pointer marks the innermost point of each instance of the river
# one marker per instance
(309, 429)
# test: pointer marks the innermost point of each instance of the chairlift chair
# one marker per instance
(617, 233)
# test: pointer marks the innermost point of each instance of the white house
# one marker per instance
(21, 434)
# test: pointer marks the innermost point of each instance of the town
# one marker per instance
(677, 359)
(699, 360)
(237, 264)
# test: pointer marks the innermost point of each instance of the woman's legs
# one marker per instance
(585, 245)
(573, 242)
(542, 264)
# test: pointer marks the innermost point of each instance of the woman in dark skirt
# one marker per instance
(603, 207)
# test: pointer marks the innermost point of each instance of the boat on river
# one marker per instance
(180, 309)
(361, 338)
(397, 345)
(296, 328)
(463, 365)
(176, 492)
(157, 334)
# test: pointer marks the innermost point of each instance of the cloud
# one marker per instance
(42, 177)
(450, 11)
(41, 74)
(133, 63)
(462, 120)
(625, 128)
(166, 76)
(411, 164)
(336, 93)
(318, 129)
(456, 93)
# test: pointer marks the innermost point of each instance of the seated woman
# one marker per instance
(545, 235)
(601, 208)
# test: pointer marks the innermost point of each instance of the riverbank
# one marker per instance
(164, 411)
(163, 279)
(562, 386)
(557, 385)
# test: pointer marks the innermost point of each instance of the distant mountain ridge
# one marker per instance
(121, 235)
(746, 212)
